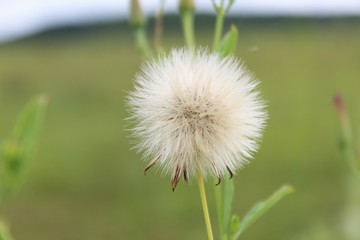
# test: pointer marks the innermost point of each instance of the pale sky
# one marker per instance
(20, 18)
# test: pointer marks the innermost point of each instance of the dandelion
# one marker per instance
(196, 112)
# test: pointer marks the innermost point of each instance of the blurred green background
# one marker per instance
(86, 183)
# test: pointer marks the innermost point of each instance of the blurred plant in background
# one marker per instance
(348, 219)
(347, 142)
(15, 153)
(349, 225)
(230, 225)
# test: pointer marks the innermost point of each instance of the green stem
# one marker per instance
(204, 205)
(142, 42)
(218, 28)
(159, 27)
(187, 18)
(347, 142)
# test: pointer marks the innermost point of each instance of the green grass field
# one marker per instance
(86, 183)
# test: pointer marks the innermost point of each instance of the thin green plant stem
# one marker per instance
(347, 145)
(187, 18)
(221, 11)
(142, 42)
(204, 205)
(218, 28)
(159, 27)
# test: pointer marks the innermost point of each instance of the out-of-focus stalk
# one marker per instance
(159, 27)
(218, 29)
(138, 23)
(221, 11)
(187, 8)
(346, 139)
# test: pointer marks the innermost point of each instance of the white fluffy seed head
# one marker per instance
(196, 111)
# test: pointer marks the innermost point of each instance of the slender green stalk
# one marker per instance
(159, 27)
(222, 9)
(204, 205)
(347, 142)
(218, 28)
(187, 18)
(138, 23)
(142, 42)
(347, 145)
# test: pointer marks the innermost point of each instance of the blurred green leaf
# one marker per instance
(229, 41)
(234, 225)
(228, 199)
(4, 232)
(260, 208)
(11, 166)
(28, 123)
(219, 205)
(17, 149)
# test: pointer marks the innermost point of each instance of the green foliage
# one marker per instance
(228, 199)
(257, 211)
(231, 230)
(137, 18)
(234, 225)
(229, 42)
(346, 140)
(4, 232)
(224, 198)
(17, 149)
(222, 7)
(138, 23)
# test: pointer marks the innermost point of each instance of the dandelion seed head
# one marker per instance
(196, 111)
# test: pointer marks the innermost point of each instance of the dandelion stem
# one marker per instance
(204, 205)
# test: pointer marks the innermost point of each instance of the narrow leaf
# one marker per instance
(229, 41)
(260, 208)
(18, 148)
(29, 121)
(227, 205)
(219, 205)
(4, 232)
(234, 225)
